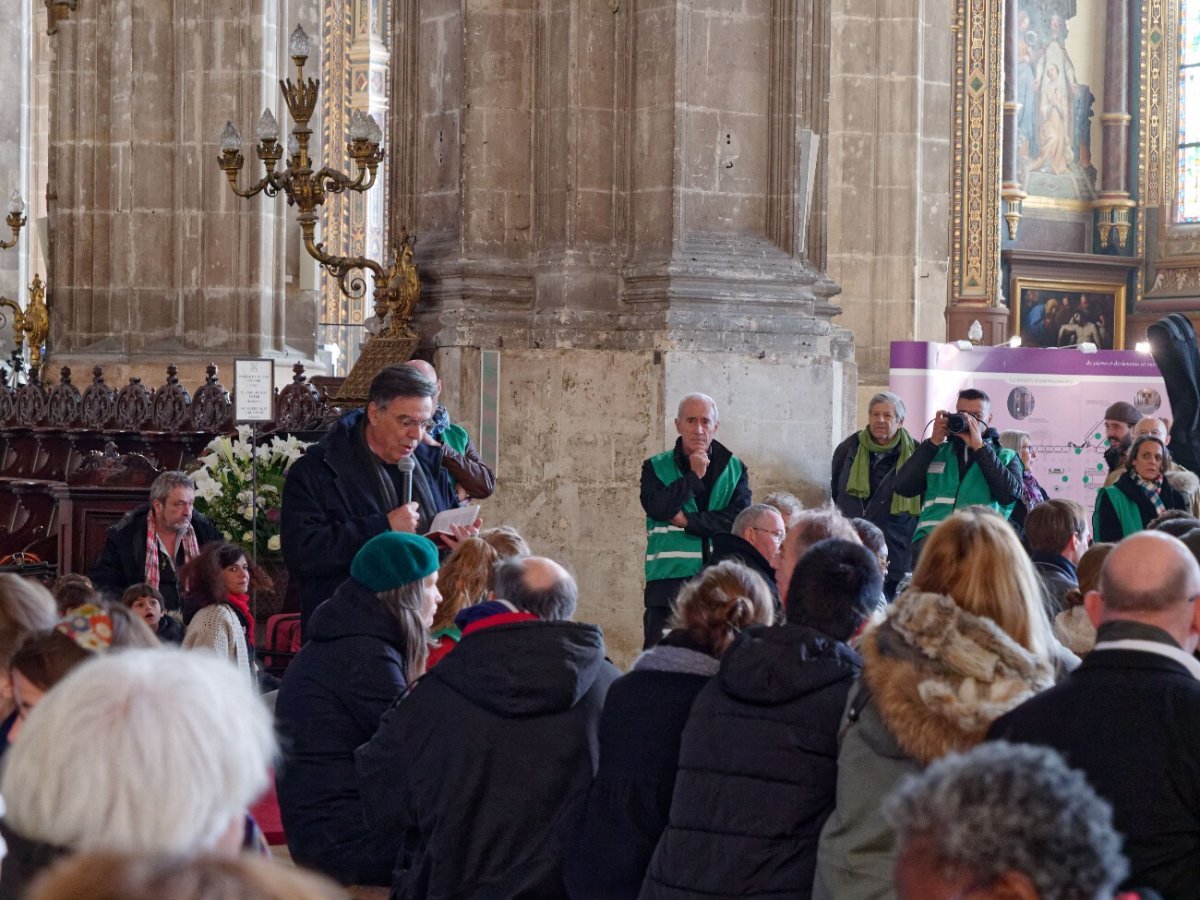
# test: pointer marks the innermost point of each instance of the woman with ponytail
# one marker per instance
(643, 719)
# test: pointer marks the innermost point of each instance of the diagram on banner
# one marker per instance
(1057, 396)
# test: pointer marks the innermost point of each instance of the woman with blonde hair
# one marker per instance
(966, 643)
(640, 729)
(464, 580)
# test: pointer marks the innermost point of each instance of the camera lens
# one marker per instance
(956, 423)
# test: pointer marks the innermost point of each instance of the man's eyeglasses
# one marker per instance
(423, 424)
(777, 535)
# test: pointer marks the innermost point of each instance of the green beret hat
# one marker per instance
(392, 559)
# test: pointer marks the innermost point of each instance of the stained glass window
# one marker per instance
(1188, 200)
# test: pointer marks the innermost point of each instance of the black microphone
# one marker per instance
(406, 466)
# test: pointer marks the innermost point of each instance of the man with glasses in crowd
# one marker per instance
(349, 487)
(754, 541)
(961, 464)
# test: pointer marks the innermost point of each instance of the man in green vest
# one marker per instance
(470, 476)
(689, 494)
(961, 464)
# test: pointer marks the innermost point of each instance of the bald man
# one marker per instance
(1129, 716)
(485, 765)
(690, 493)
(470, 477)
(1177, 476)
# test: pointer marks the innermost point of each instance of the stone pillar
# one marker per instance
(609, 196)
(1011, 193)
(151, 254)
(1114, 207)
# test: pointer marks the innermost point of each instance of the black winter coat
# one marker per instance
(630, 798)
(897, 529)
(757, 770)
(333, 503)
(333, 695)
(1108, 524)
(483, 767)
(122, 562)
(738, 549)
(1130, 721)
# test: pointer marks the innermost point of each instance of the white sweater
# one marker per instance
(217, 628)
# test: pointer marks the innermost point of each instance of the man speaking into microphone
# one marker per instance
(961, 464)
(362, 479)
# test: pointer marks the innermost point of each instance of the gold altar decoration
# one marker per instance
(393, 339)
(32, 323)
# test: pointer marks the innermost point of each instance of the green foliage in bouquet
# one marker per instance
(223, 489)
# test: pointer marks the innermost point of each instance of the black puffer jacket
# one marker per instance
(334, 693)
(757, 770)
(483, 767)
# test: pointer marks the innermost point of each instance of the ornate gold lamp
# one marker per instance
(393, 339)
(33, 322)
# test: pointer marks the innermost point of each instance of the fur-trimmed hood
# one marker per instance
(939, 676)
(1183, 481)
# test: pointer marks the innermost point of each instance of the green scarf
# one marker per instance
(859, 483)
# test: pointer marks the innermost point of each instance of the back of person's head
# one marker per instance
(789, 505)
(721, 601)
(537, 585)
(47, 657)
(104, 876)
(395, 566)
(815, 525)
(975, 558)
(1044, 823)
(25, 608)
(871, 535)
(73, 590)
(505, 540)
(1052, 523)
(1088, 572)
(129, 630)
(834, 587)
(1175, 522)
(174, 745)
(1149, 572)
(399, 381)
(464, 579)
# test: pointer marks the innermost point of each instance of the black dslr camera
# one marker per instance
(956, 423)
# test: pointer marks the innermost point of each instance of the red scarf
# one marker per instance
(241, 602)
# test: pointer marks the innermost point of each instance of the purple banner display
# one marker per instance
(1058, 396)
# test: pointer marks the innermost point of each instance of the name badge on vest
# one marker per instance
(936, 468)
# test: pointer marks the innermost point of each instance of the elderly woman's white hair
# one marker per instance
(145, 751)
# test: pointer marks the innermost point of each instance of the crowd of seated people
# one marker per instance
(450, 730)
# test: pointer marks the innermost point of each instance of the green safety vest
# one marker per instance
(1127, 512)
(670, 551)
(944, 493)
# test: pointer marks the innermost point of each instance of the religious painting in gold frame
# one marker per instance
(1068, 313)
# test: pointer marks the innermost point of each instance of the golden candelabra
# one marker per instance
(307, 189)
(33, 322)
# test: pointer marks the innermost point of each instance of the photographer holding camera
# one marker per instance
(961, 464)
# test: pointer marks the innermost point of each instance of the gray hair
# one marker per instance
(789, 505)
(399, 381)
(1010, 439)
(166, 482)
(889, 397)
(703, 398)
(752, 516)
(553, 603)
(1042, 820)
(176, 745)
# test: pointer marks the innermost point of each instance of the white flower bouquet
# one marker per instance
(224, 492)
